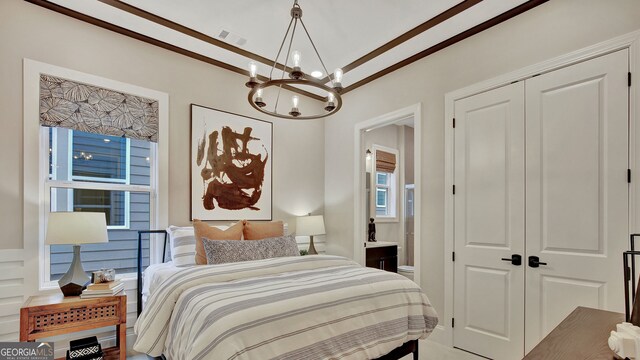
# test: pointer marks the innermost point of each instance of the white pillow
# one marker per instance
(182, 242)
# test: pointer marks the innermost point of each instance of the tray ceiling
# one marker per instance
(367, 38)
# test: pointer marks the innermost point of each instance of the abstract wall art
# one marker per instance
(230, 166)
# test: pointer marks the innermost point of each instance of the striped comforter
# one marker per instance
(304, 307)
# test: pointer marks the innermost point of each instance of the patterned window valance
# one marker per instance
(77, 106)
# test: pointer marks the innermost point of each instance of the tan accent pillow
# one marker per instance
(262, 230)
(204, 230)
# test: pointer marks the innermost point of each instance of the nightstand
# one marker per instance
(52, 315)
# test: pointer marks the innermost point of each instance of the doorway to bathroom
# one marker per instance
(387, 205)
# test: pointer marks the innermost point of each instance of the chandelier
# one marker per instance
(296, 77)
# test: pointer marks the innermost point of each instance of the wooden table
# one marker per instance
(582, 335)
(52, 315)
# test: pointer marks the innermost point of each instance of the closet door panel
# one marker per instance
(576, 190)
(489, 223)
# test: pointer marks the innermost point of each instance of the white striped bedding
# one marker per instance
(303, 307)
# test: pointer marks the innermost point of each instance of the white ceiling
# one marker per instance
(343, 31)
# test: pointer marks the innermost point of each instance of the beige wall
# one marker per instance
(552, 29)
(29, 31)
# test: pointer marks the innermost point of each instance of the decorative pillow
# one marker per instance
(262, 230)
(182, 243)
(222, 252)
(203, 230)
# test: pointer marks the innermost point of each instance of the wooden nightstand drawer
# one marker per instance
(68, 317)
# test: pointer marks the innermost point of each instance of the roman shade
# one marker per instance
(77, 106)
(385, 161)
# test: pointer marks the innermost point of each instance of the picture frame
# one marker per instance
(230, 165)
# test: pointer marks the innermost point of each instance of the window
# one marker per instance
(98, 173)
(382, 193)
(386, 188)
(59, 98)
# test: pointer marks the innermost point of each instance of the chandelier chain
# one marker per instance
(316, 50)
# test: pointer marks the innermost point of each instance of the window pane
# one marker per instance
(381, 178)
(99, 156)
(140, 162)
(120, 253)
(381, 197)
(112, 203)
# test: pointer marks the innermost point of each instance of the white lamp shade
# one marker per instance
(310, 225)
(76, 228)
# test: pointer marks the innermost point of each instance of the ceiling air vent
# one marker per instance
(231, 38)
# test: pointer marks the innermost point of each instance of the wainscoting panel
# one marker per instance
(11, 293)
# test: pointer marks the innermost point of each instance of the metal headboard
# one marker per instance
(164, 252)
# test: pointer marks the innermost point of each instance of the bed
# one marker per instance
(298, 307)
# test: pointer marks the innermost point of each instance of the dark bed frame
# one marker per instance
(410, 347)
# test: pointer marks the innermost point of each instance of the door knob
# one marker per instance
(534, 262)
(515, 259)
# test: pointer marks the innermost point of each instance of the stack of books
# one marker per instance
(102, 289)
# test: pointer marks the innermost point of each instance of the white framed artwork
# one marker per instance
(231, 166)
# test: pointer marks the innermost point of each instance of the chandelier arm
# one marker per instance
(316, 50)
(293, 33)
(275, 62)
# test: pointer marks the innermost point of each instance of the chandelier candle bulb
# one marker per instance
(296, 57)
(253, 72)
(259, 100)
(337, 79)
(296, 73)
(330, 102)
(294, 110)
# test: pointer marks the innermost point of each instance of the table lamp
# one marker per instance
(75, 228)
(309, 226)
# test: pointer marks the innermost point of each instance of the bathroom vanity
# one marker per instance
(382, 255)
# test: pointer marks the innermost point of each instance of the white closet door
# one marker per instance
(489, 223)
(577, 191)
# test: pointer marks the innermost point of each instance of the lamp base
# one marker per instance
(312, 249)
(75, 280)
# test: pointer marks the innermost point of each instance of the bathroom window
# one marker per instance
(385, 201)
(382, 193)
